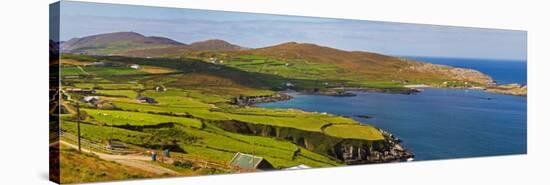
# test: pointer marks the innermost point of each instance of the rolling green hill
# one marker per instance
(115, 43)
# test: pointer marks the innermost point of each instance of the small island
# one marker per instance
(364, 116)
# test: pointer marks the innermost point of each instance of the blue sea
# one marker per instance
(439, 123)
(503, 71)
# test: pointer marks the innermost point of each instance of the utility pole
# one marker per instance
(78, 124)
(253, 157)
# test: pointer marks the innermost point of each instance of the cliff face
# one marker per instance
(350, 151)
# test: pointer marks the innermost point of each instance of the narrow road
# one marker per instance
(83, 70)
(136, 161)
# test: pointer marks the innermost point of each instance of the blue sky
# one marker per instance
(79, 19)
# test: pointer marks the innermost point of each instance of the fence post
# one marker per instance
(78, 124)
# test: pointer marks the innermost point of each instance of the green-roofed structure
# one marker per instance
(247, 162)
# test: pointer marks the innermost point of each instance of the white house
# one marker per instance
(90, 99)
(299, 167)
(289, 84)
(160, 88)
(134, 66)
(212, 60)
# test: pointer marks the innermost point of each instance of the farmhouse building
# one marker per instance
(160, 88)
(90, 99)
(289, 84)
(247, 162)
(212, 60)
(144, 99)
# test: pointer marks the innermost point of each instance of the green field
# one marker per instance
(354, 131)
(110, 117)
(99, 71)
(196, 106)
(125, 93)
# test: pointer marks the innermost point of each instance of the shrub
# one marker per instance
(183, 164)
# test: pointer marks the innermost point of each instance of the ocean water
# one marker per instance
(503, 71)
(437, 123)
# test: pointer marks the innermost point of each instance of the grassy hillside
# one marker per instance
(308, 65)
(193, 115)
(76, 167)
(311, 66)
(331, 66)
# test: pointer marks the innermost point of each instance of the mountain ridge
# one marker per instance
(214, 45)
(130, 40)
(122, 43)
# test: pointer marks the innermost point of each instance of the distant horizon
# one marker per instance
(400, 56)
(252, 30)
(467, 58)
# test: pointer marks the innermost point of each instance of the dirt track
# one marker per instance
(136, 161)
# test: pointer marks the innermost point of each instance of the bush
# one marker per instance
(210, 171)
(183, 164)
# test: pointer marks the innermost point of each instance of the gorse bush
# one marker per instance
(183, 164)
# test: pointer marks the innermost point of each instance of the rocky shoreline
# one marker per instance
(252, 100)
(510, 89)
(347, 91)
(405, 91)
(390, 152)
(336, 92)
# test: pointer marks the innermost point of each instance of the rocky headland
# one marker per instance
(511, 89)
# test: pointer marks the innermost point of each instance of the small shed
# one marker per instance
(248, 162)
